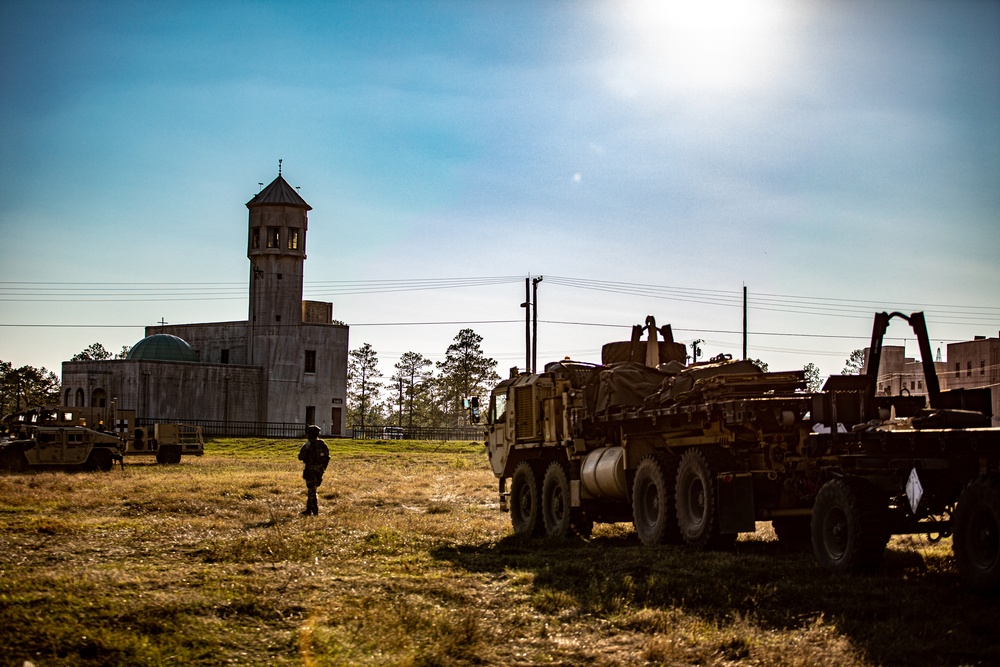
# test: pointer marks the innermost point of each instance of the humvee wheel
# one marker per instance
(100, 459)
(556, 510)
(13, 461)
(525, 496)
(976, 540)
(652, 514)
(697, 498)
(849, 530)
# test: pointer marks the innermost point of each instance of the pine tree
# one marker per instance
(464, 373)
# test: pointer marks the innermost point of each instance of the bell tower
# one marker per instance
(276, 247)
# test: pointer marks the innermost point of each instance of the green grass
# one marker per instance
(411, 563)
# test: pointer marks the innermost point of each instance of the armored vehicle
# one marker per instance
(59, 446)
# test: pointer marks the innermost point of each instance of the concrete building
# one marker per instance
(969, 364)
(287, 363)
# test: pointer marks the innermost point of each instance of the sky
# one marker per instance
(643, 158)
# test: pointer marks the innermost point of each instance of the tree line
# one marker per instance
(419, 392)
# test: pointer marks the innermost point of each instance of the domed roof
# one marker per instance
(162, 347)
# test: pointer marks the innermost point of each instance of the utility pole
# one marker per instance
(744, 322)
(695, 350)
(534, 323)
(527, 324)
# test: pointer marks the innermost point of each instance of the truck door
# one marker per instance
(496, 433)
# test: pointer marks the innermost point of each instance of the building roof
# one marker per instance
(162, 347)
(279, 193)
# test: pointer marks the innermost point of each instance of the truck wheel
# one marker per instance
(556, 510)
(697, 498)
(525, 494)
(976, 540)
(849, 530)
(100, 459)
(652, 514)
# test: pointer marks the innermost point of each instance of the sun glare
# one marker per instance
(703, 46)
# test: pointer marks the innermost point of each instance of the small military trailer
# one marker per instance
(167, 442)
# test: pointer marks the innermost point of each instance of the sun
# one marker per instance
(710, 45)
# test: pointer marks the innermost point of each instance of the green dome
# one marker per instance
(162, 347)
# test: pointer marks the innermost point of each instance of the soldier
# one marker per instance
(315, 455)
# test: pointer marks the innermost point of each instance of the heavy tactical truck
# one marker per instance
(697, 454)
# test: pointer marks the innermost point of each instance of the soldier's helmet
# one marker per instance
(312, 430)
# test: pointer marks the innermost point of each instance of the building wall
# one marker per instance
(169, 389)
(211, 340)
(970, 365)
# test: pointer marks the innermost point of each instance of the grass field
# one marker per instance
(411, 563)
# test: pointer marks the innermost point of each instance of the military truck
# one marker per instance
(166, 442)
(32, 444)
(696, 454)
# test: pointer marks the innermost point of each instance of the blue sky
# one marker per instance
(835, 157)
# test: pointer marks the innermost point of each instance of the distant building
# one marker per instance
(286, 363)
(969, 364)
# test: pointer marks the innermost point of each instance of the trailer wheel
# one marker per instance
(849, 526)
(556, 510)
(100, 459)
(525, 496)
(652, 511)
(168, 455)
(697, 498)
(976, 540)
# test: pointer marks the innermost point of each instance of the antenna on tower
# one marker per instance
(279, 166)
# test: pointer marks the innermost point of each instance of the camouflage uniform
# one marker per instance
(315, 455)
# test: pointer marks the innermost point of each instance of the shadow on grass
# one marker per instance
(905, 613)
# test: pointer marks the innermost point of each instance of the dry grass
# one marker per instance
(411, 563)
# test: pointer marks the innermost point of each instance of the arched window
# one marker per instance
(98, 399)
(79, 398)
(69, 397)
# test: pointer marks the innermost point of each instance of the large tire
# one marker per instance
(697, 498)
(849, 526)
(12, 460)
(100, 459)
(652, 503)
(525, 502)
(976, 532)
(556, 510)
